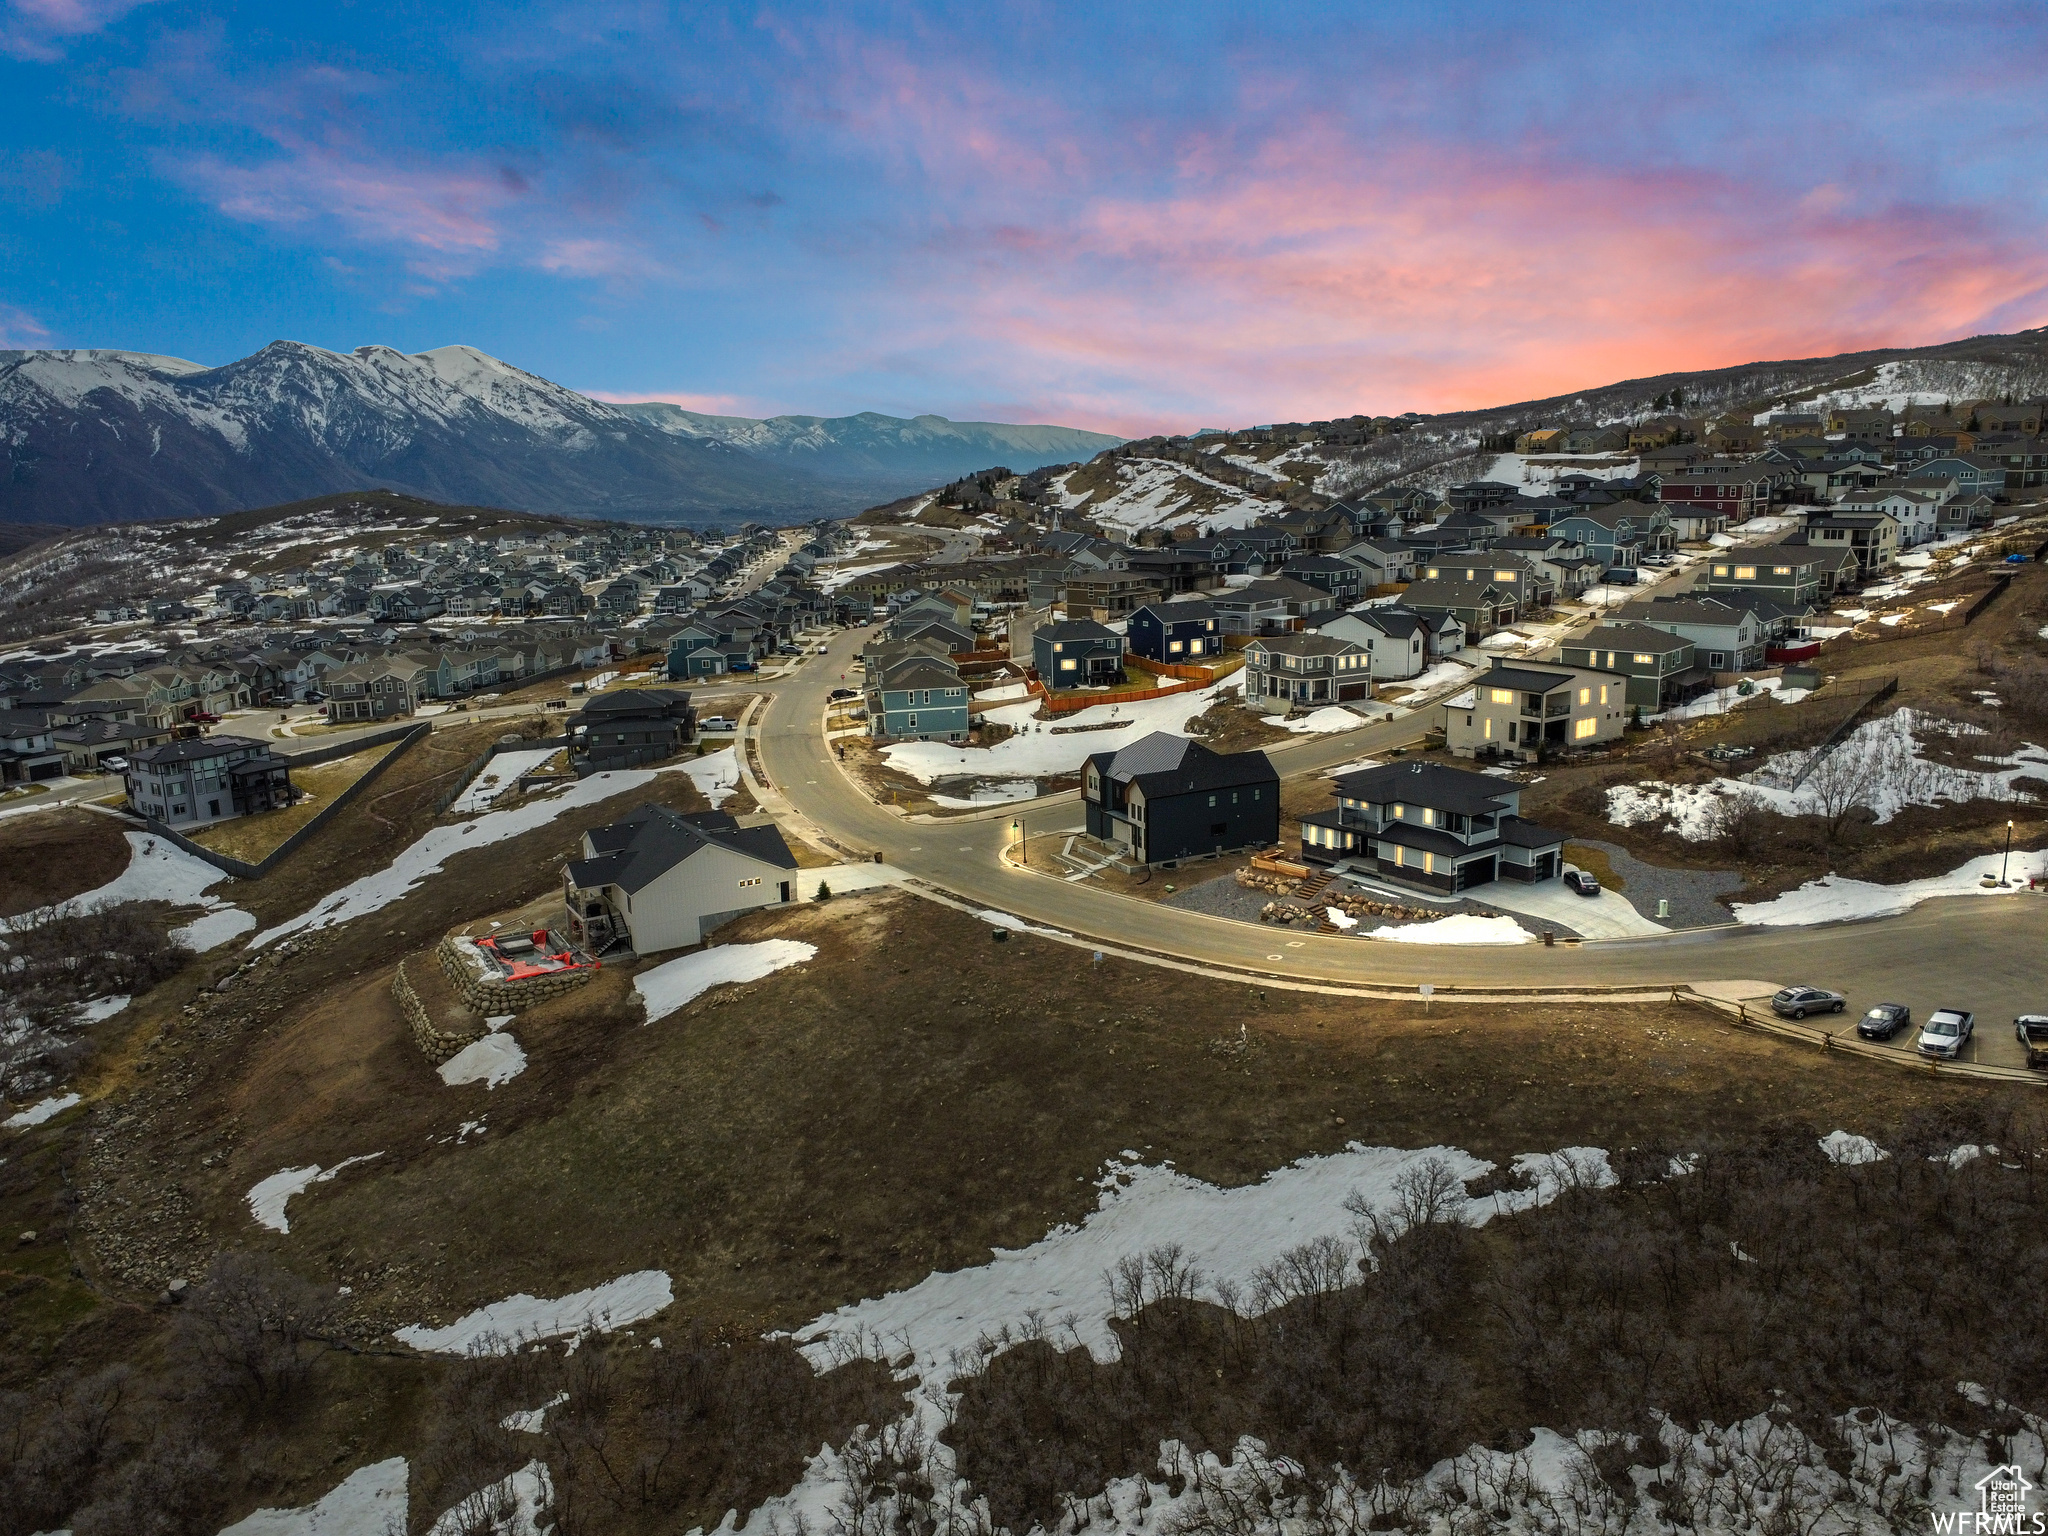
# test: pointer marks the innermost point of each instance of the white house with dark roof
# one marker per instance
(661, 879)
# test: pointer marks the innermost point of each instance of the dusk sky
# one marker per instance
(1120, 217)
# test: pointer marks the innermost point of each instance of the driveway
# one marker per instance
(1606, 916)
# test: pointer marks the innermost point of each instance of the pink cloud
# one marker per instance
(703, 404)
(19, 330)
(1311, 281)
(585, 256)
(445, 216)
(36, 30)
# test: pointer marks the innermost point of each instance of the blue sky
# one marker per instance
(1119, 217)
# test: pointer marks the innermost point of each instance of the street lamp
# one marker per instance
(2002, 863)
(1024, 838)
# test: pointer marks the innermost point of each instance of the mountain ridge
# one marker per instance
(106, 435)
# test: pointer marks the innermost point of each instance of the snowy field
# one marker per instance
(1881, 766)
(161, 871)
(1227, 1234)
(38, 1112)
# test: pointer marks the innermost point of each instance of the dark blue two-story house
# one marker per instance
(1077, 652)
(1165, 798)
(1175, 632)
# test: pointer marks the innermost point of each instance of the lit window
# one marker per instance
(1586, 727)
(1603, 693)
(1489, 728)
(1643, 659)
(1068, 665)
(1501, 695)
(1585, 695)
(1428, 816)
(1720, 570)
(1400, 813)
(1173, 647)
(1781, 570)
(1504, 575)
(1745, 573)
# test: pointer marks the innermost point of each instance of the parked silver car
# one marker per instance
(1798, 1002)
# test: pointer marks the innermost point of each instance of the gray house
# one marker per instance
(1724, 638)
(215, 778)
(1283, 672)
(1658, 664)
(1430, 825)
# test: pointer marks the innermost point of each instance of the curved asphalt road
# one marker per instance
(1962, 952)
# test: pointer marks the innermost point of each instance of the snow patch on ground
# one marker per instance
(503, 1326)
(214, 929)
(370, 1501)
(37, 1113)
(495, 1058)
(1461, 928)
(100, 1008)
(716, 775)
(511, 1506)
(1835, 900)
(268, 1197)
(1846, 1149)
(531, 1421)
(668, 987)
(159, 870)
(1227, 1234)
(1322, 722)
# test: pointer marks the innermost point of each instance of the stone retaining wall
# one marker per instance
(435, 1043)
(490, 997)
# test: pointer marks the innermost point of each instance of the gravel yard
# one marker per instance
(1693, 893)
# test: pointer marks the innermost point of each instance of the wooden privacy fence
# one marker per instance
(1068, 703)
(1190, 671)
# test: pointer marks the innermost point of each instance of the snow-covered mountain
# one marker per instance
(98, 436)
(927, 448)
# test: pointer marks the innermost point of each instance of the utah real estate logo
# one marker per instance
(2001, 1510)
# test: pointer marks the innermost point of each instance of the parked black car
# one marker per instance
(843, 693)
(1578, 880)
(1884, 1021)
(1798, 1002)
